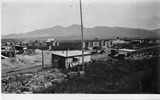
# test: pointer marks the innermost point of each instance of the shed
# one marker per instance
(67, 59)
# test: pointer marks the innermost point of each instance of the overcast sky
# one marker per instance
(29, 15)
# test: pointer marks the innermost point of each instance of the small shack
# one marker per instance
(69, 59)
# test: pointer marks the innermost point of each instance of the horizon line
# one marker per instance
(66, 26)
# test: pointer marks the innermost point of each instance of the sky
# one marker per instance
(19, 16)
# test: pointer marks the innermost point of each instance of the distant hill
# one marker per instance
(73, 33)
(157, 31)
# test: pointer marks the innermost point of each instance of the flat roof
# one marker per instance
(128, 50)
(70, 53)
(120, 41)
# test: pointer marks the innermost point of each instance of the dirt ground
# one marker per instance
(25, 61)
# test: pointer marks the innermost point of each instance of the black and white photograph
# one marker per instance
(80, 47)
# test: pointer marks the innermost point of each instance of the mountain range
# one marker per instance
(73, 33)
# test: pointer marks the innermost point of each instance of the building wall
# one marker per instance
(108, 44)
(62, 62)
(70, 63)
(96, 43)
(58, 61)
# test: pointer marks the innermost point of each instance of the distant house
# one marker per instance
(99, 43)
(19, 49)
(7, 51)
(51, 43)
(93, 43)
(69, 59)
(108, 43)
(158, 41)
(102, 43)
(119, 41)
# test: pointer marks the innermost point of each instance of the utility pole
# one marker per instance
(82, 39)
(42, 59)
(67, 58)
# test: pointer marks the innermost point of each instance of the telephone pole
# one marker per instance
(82, 39)
(42, 59)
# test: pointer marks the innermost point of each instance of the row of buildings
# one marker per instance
(123, 48)
(54, 44)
